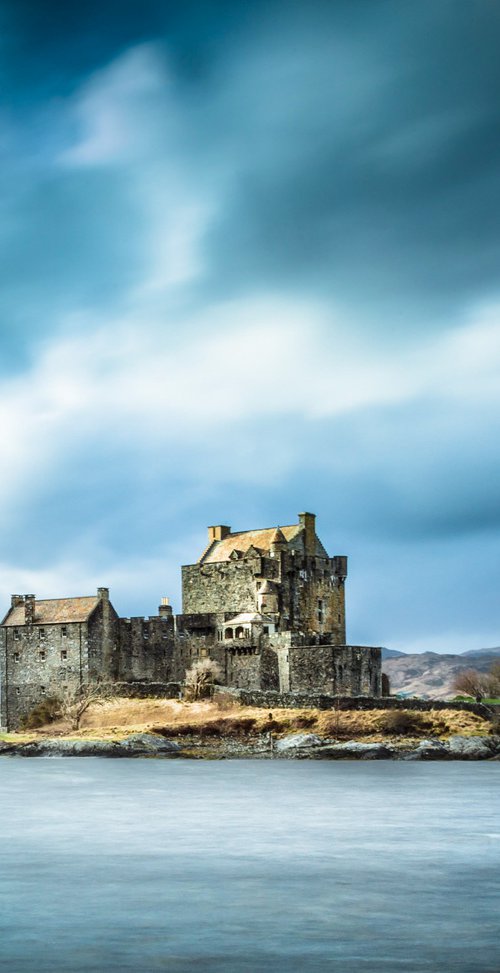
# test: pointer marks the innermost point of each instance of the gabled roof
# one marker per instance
(244, 539)
(51, 611)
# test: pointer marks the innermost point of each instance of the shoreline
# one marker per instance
(299, 746)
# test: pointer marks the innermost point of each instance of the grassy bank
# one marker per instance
(116, 718)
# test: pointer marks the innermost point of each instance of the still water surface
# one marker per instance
(145, 865)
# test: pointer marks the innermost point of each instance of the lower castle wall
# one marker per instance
(337, 669)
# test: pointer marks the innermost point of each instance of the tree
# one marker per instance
(75, 702)
(201, 678)
(495, 676)
(474, 683)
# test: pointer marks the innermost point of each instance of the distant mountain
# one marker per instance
(474, 653)
(391, 654)
(431, 673)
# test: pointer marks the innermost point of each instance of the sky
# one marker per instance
(249, 266)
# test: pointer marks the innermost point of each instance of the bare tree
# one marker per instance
(201, 677)
(74, 703)
(495, 677)
(474, 683)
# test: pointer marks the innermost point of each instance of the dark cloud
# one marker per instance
(364, 163)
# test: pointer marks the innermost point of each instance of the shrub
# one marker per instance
(303, 722)
(401, 722)
(494, 729)
(46, 711)
(201, 678)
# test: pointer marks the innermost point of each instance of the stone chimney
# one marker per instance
(218, 533)
(308, 522)
(165, 609)
(108, 635)
(29, 609)
(16, 600)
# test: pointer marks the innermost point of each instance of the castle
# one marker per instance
(267, 605)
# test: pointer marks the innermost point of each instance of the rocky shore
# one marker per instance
(298, 746)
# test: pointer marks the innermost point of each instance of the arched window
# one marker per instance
(228, 634)
(240, 632)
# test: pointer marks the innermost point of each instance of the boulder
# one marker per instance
(298, 741)
(137, 745)
(472, 748)
(69, 748)
(148, 743)
(428, 750)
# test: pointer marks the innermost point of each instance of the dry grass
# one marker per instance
(118, 717)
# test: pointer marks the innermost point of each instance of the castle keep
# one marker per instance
(268, 605)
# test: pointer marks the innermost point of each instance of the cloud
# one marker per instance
(248, 265)
(249, 364)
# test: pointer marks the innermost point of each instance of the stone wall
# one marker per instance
(147, 649)
(344, 669)
(37, 662)
(228, 586)
(268, 700)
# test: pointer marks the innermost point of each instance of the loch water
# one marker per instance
(237, 866)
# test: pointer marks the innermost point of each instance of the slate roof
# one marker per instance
(51, 611)
(243, 539)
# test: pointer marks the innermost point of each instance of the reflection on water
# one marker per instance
(139, 865)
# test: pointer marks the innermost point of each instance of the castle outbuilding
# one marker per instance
(268, 605)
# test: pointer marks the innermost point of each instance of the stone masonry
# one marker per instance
(268, 605)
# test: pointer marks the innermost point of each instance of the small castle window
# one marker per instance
(18, 691)
(64, 655)
(17, 656)
(42, 633)
(16, 634)
(64, 631)
(266, 630)
(42, 690)
(42, 655)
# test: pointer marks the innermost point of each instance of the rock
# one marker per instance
(139, 744)
(428, 750)
(298, 741)
(69, 748)
(354, 751)
(472, 748)
(149, 743)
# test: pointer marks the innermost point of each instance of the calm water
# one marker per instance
(249, 866)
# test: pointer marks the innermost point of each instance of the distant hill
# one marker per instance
(391, 654)
(432, 673)
(473, 653)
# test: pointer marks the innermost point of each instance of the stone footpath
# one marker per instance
(298, 746)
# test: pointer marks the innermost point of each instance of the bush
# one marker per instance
(401, 722)
(303, 722)
(494, 729)
(46, 711)
(201, 679)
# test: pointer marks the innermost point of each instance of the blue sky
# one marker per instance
(249, 265)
